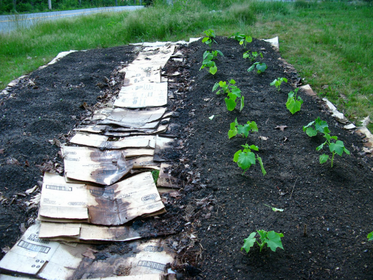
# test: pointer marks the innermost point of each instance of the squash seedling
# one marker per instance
(271, 238)
(336, 147)
(277, 82)
(242, 38)
(294, 102)
(245, 158)
(260, 67)
(232, 92)
(208, 57)
(252, 55)
(242, 130)
(210, 37)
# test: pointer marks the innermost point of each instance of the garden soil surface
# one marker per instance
(326, 210)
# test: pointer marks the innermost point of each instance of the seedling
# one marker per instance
(316, 126)
(252, 55)
(208, 57)
(271, 238)
(260, 67)
(294, 102)
(242, 130)
(277, 82)
(232, 92)
(336, 147)
(245, 158)
(274, 209)
(242, 39)
(370, 236)
(210, 37)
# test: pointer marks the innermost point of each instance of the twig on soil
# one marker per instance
(293, 187)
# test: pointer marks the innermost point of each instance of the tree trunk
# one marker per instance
(50, 4)
(15, 5)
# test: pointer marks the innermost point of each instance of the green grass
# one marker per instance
(329, 43)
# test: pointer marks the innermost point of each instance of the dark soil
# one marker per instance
(327, 210)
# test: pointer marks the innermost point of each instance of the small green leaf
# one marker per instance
(261, 67)
(215, 87)
(310, 131)
(213, 70)
(264, 172)
(323, 158)
(249, 242)
(242, 103)
(251, 68)
(230, 103)
(245, 160)
(236, 155)
(337, 147)
(274, 240)
(370, 236)
(318, 148)
(212, 117)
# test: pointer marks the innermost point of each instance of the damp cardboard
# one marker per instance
(101, 141)
(142, 96)
(140, 258)
(53, 260)
(129, 117)
(94, 165)
(61, 200)
(162, 144)
(113, 205)
(165, 179)
(42, 258)
(78, 232)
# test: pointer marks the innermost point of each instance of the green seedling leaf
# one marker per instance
(277, 82)
(294, 102)
(209, 39)
(232, 92)
(369, 236)
(336, 147)
(249, 242)
(246, 159)
(323, 158)
(208, 57)
(274, 240)
(212, 117)
(230, 103)
(260, 66)
(264, 172)
(274, 209)
(271, 238)
(319, 126)
(213, 69)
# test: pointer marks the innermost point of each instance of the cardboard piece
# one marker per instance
(129, 117)
(53, 260)
(93, 165)
(143, 73)
(162, 144)
(141, 96)
(141, 258)
(46, 259)
(113, 205)
(60, 200)
(101, 141)
(165, 179)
